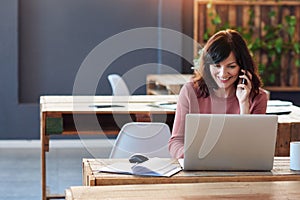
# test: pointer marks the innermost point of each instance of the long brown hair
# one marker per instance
(217, 49)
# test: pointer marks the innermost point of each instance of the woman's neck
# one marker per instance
(224, 93)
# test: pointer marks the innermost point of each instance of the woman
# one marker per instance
(225, 82)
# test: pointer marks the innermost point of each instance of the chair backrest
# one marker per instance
(148, 138)
(118, 85)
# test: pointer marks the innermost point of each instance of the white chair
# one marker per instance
(118, 85)
(148, 138)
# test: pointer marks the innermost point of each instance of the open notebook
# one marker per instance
(152, 167)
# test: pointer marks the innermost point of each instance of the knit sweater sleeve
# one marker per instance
(259, 103)
(186, 98)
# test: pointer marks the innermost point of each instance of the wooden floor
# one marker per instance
(20, 170)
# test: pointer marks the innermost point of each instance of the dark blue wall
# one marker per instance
(44, 42)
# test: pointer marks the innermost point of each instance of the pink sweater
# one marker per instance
(189, 103)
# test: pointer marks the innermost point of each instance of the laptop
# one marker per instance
(229, 142)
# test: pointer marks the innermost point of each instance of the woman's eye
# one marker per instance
(232, 66)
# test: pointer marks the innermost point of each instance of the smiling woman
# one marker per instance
(226, 73)
(224, 61)
(217, 85)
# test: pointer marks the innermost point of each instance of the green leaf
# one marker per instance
(291, 20)
(297, 47)
(291, 31)
(269, 45)
(217, 20)
(297, 63)
(271, 53)
(227, 25)
(272, 13)
(206, 36)
(256, 45)
(272, 78)
(279, 45)
(261, 68)
(276, 63)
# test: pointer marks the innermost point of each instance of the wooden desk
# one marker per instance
(192, 191)
(59, 115)
(162, 84)
(92, 177)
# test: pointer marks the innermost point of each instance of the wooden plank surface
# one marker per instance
(102, 99)
(281, 172)
(229, 190)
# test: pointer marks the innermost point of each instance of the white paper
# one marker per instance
(180, 160)
(119, 167)
(279, 103)
(279, 110)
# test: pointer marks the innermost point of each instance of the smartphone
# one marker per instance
(244, 81)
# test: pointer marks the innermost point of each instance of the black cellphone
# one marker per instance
(244, 81)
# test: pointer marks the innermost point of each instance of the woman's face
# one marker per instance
(226, 72)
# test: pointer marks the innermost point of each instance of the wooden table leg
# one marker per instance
(45, 137)
(283, 139)
(44, 148)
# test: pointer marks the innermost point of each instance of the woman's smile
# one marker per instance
(224, 80)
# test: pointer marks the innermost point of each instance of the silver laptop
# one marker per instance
(229, 142)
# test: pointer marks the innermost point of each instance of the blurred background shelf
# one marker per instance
(162, 84)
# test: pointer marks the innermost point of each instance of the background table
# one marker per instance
(92, 177)
(228, 190)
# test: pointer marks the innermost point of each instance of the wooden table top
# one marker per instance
(229, 190)
(92, 177)
(121, 104)
(105, 98)
(127, 104)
